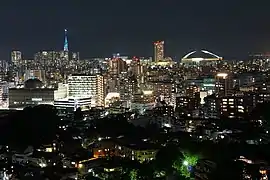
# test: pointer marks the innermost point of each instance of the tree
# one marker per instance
(185, 165)
(133, 174)
(32, 126)
(166, 156)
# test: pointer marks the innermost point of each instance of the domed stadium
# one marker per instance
(33, 84)
(198, 56)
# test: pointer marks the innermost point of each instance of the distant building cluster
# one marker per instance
(202, 98)
(201, 85)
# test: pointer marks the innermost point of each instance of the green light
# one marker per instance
(182, 164)
(185, 163)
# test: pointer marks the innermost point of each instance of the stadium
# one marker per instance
(195, 57)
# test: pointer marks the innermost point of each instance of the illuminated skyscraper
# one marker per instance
(81, 86)
(117, 65)
(64, 54)
(16, 57)
(223, 84)
(75, 56)
(66, 41)
(158, 51)
(47, 59)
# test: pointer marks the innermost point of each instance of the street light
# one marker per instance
(185, 163)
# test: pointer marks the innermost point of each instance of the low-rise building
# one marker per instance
(140, 151)
(34, 92)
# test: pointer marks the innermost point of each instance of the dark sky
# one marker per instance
(230, 28)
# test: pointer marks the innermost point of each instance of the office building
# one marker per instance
(185, 106)
(16, 57)
(128, 87)
(143, 101)
(192, 91)
(158, 51)
(47, 59)
(116, 66)
(211, 107)
(72, 104)
(163, 90)
(224, 84)
(232, 107)
(34, 93)
(87, 86)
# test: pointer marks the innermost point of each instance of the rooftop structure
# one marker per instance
(198, 56)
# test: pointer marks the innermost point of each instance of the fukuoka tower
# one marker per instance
(66, 41)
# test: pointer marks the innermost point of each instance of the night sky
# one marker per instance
(98, 28)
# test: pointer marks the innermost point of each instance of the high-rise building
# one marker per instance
(1, 95)
(16, 57)
(162, 90)
(136, 67)
(185, 105)
(87, 86)
(193, 91)
(128, 87)
(47, 59)
(112, 84)
(34, 74)
(66, 41)
(100, 95)
(236, 106)
(75, 56)
(211, 106)
(64, 58)
(143, 101)
(223, 84)
(117, 65)
(232, 107)
(4, 65)
(64, 55)
(158, 51)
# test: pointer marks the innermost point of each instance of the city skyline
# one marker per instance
(134, 90)
(95, 29)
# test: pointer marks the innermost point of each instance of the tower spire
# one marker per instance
(66, 41)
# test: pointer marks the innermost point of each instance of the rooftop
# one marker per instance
(136, 144)
(201, 55)
(33, 84)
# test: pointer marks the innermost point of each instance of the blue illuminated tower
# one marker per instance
(66, 41)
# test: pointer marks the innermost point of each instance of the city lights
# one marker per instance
(223, 75)
(130, 107)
